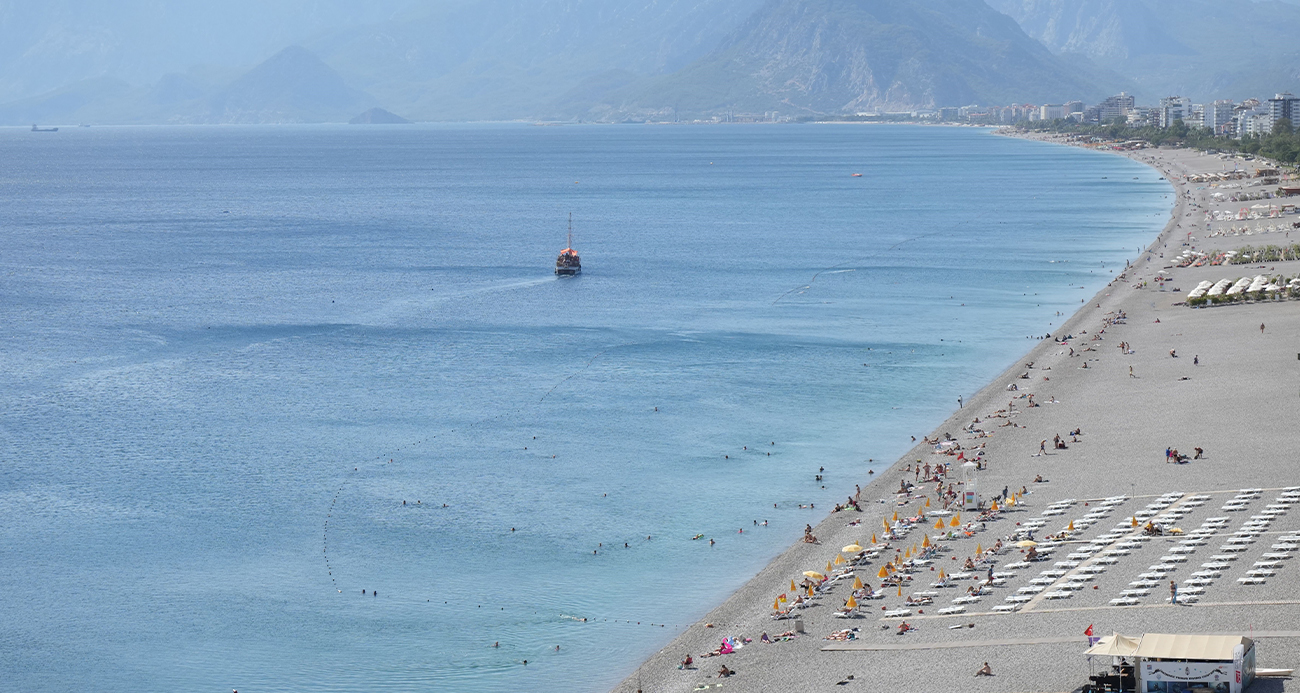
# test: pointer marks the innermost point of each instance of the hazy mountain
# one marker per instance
(182, 61)
(846, 56)
(500, 59)
(47, 45)
(292, 86)
(1202, 49)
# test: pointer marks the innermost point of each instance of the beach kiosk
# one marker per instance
(970, 496)
(1194, 663)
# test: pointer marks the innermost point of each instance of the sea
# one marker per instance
(304, 408)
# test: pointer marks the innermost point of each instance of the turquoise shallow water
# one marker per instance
(230, 354)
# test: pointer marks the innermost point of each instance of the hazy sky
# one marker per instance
(45, 43)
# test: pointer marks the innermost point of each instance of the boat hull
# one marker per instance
(567, 271)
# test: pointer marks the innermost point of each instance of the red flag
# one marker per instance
(1089, 631)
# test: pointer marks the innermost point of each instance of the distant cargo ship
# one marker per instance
(568, 264)
(36, 129)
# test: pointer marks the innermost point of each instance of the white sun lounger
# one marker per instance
(1123, 601)
(951, 610)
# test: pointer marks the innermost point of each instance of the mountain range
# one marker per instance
(1203, 49)
(178, 61)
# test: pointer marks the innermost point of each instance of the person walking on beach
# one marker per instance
(1261, 328)
(1173, 593)
(1130, 372)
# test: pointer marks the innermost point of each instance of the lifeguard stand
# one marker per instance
(970, 495)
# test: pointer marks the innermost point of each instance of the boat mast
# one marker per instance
(570, 230)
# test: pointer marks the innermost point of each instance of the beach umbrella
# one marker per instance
(1026, 544)
(884, 572)
(926, 541)
(886, 523)
(857, 582)
(852, 548)
(938, 524)
(851, 603)
(810, 591)
(873, 538)
(895, 516)
(927, 501)
(907, 553)
(1134, 523)
(994, 506)
(900, 590)
(814, 575)
(1176, 530)
(839, 559)
(776, 605)
(781, 598)
(1071, 527)
(941, 573)
(979, 548)
(792, 587)
(829, 567)
(956, 521)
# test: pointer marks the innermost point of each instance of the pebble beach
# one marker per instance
(1137, 373)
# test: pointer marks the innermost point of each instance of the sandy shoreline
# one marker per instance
(1238, 403)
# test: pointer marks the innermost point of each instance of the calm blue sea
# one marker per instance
(247, 373)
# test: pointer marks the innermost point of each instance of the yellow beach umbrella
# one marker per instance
(886, 523)
(852, 548)
(1071, 527)
(979, 548)
(1026, 544)
(941, 573)
(776, 605)
(829, 567)
(857, 582)
(810, 591)
(814, 575)
(1176, 530)
(873, 538)
(781, 599)
(927, 501)
(1134, 523)
(938, 524)
(900, 590)
(895, 516)
(956, 521)
(852, 603)
(994, 506)
(884, 572)
(792, 587)
(839, 559)
(925, 543)
(907, 553)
